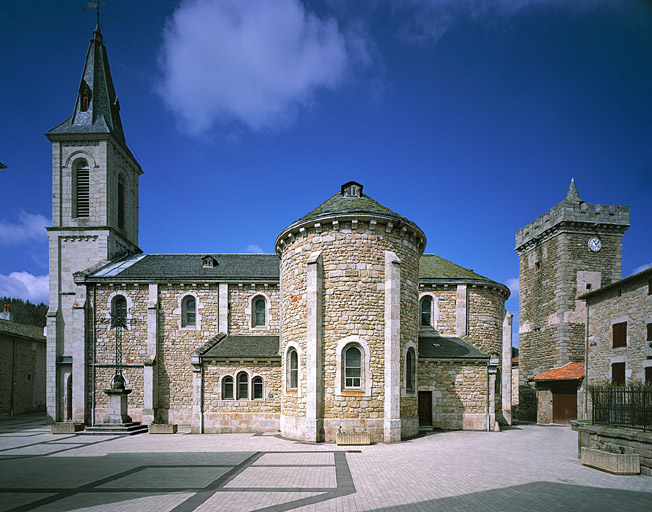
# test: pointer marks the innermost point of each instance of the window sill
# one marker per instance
(352, 392)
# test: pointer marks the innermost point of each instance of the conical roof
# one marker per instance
(573, 195)
(350, 200)
(97, 109)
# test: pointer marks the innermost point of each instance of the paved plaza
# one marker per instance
(528, 467)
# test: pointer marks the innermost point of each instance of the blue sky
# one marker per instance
(469, 117)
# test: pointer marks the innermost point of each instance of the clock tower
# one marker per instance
(574, 248)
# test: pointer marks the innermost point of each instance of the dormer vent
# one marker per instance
(209, 262)
(352, 189)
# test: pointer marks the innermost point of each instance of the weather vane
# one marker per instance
(95, 6)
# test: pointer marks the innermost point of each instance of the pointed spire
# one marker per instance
(97, 109)
(573, 195)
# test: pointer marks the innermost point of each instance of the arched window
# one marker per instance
(257, 388)
(409, 370)
(189, 312)
(227, 388)
(118, 311)
(121, 202)
(258, 316)
(293, 369)
(352, 367)
(82, 189)
(426, 312)
(243, 386)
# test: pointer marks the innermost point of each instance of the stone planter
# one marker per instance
(162, 428)
(66, 427)
(616, 463)
(353, 438)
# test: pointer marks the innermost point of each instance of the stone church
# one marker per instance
(349, 326)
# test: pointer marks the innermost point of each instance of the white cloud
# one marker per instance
(428, 20)
(642, 267)
(253, 248)
(255, 62)
(25, 286)
(29, 227)
(513, 285)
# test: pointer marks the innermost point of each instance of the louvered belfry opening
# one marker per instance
(83, 190)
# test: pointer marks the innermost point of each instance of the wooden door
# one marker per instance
(425, 408)
(564, 407)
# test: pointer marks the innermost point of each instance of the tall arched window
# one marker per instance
(409, 370)
(227, 388)
(293, 369)
(352, 367)
(257, 388)
(188, 312)
(243, 386)
(82, 189)
(426, 311)
(259, 312)
(118, 311)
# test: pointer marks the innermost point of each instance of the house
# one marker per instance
(22, 366)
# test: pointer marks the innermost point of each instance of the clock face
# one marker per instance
(595, 244)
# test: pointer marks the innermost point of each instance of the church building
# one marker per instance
(348, 327)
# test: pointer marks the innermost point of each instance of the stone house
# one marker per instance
(620, 331)
(559, 393)
(349, 325)
(22, 366)
(575, 247)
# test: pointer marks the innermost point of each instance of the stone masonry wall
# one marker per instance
(134, 345)
(631, 304)
(459, 392)
(240, 314)
(175, 375)
(28, 374)
(238, 415)
(486, 311)
(353, 306)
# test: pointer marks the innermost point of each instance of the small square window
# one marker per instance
(588, 286)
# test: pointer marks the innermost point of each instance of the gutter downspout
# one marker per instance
(201, 395)
(12, 413)
(468, 313)
(586, 365)
(488, 412)
(93, 362)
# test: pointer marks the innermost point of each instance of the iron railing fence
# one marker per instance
(622, 406)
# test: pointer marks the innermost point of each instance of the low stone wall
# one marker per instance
(225, 422)
(631, 441)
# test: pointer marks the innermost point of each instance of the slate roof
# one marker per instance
(340, 204)
(435, 346)
(433, 267)
(103, 112)
(30, 332)
(166, 267)
(570, 371)
(642, 275)
(224, 346)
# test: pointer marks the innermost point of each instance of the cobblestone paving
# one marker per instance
(528, 467)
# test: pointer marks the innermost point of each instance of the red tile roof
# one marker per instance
(570, 371)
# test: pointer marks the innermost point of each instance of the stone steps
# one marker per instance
(114, 429)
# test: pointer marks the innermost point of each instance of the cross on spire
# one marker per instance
(95, 6)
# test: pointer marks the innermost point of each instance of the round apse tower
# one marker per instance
(349, 277)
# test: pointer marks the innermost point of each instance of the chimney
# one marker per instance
(6, 313)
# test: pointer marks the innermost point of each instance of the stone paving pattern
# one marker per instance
(528, 467)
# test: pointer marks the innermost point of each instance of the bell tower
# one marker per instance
(94, 220)
(572, 249)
